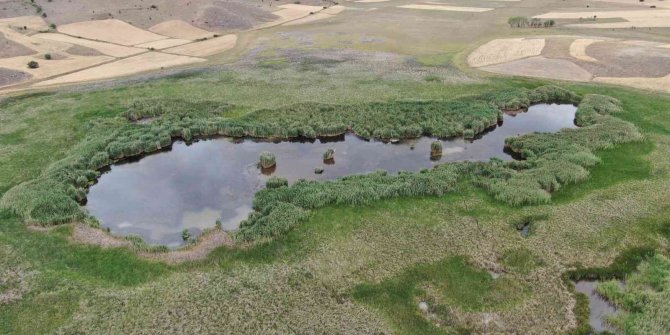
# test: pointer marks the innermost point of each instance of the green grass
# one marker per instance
(455, 283)
(623, 163)
(388, 254)
(56, 255)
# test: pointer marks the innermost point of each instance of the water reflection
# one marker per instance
(193, 185)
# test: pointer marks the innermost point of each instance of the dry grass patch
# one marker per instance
(136, 64)
(578, 49)
(206, 48)
(112, 30)
(505, 50)
(180, 30)
(102, 47)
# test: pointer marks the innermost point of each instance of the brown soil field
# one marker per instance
(636, 63)
(626, 60)
(127, 66)
(180, 30)
(79, 50)
(578, 49)
(112, 30)
(9, 48)
(10, 77)
(543, 68)
(109, 49)
(205, 48)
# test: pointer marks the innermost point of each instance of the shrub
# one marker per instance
(329, 154)
(47, 56)
(436, 149)
(267, 160)
(33, 64)
(276, 182)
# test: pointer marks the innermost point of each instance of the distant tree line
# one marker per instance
(524, 22)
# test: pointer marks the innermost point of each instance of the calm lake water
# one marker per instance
(193, 185)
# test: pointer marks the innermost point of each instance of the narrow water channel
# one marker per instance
(599, 308)
(193, 185)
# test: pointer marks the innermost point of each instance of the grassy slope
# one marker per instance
(340, 247)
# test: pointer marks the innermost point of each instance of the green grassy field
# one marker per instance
(346, 269)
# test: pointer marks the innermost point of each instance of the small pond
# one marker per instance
(599, 308)
(194, 184)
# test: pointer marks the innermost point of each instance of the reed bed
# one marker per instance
(551, 160)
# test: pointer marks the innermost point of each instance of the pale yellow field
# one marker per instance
(164, 44)
(205, 48)
(113, 31)
(132, 65)
(34, 23)
(371, 1)
(658, 84)
(180, 30)
(105, 48)
(505, 50)
(50, 68)
(542, 67)
(447, 8)
(644, 18)
(578, 49)
(30, 42)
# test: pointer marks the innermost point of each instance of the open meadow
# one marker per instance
(151, 103)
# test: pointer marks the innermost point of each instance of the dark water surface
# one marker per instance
(193, 185)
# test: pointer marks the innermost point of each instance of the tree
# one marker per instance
(517, 21)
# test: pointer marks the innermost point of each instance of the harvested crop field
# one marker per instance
(50, 68)
(578, 49)
(163, 44)
(9, 48)
(109, 49)
(111, 30)
(581, 59)
(657, 84)
(505, 50)
(447, 8)
(541, 67)
(180, 30)
(205, 48)
(127, 66)
(644, 18)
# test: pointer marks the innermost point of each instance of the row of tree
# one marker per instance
(524, 22)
